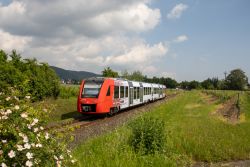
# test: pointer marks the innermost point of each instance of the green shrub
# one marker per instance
(148, 135)
(28, 76)
(24, 141)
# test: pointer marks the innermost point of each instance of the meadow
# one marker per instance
(64, 107)
(192, 134)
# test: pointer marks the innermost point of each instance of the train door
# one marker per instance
(159, 92)
(141, 93)
(131, 93)
(152, 93)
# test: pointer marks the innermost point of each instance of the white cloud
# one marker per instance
(83, 35)
(168, 74)
(181, 38)
(177, 11)
(65, 18)
(140, 53)
(8, 41)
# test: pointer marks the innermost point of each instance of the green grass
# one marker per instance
(193, 134)
(60, 109)
(63, 108)
(67, 91)
(222, 95)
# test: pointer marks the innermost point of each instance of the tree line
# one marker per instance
(236, 80)
(28, 76)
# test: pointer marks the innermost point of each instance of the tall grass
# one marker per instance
(222, 95)
(67, 91)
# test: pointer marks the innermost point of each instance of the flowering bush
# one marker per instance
(23, 139)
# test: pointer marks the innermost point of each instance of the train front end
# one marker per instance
(95, 96)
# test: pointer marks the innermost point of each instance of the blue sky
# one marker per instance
(218, 37)
(132, 35)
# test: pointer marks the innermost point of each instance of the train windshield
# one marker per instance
(91, 89)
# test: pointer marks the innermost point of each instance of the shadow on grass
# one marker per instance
(73, 115)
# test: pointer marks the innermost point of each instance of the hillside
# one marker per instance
(73, 75)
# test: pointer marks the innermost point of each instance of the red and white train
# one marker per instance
(109, 95)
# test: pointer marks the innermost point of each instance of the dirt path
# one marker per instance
(227, 111)
(105, 125)
(240, 163)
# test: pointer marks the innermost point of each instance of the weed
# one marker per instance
(148, 135)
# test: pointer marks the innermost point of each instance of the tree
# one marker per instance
(170, 83)
(28, 76)
(236, 80)
(184, 85)
(108, 72)
(194, 85)
(137, 76)
(125, 74)
(3, 56)
(207, 84)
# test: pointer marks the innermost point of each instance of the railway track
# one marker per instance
(89, 120)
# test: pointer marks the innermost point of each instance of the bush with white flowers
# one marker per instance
(23, 139)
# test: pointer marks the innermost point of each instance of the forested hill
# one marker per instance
(73, 75)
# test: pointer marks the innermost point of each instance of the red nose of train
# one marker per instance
(89, 101)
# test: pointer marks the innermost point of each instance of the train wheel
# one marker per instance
(111, 112)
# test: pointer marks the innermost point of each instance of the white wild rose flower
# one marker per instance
(29, 126)
(25, 139)
(39, 145)
(8, 112)
(20, 148)
(7, 99)
(29, 155)
(35, 120)
(58, 163)
(17, 107)
(27, 146)
(24, 115)
(12, 154)
(16, 98)
(61, 157)
(4, 141)
(21, 134)
(41, 128)
(55, 157)
(27, 97)
(33, 144)
(4, 117)
(3, 165)
(1, 152)
(46, 136)
(36, 130)
(29, 163)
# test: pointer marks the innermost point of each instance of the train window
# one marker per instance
(116, 92)
(126, 91)
(91, 89)
(108, 92)
(121, 91)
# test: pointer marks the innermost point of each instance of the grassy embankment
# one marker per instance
(63, 108)
(193, 134)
